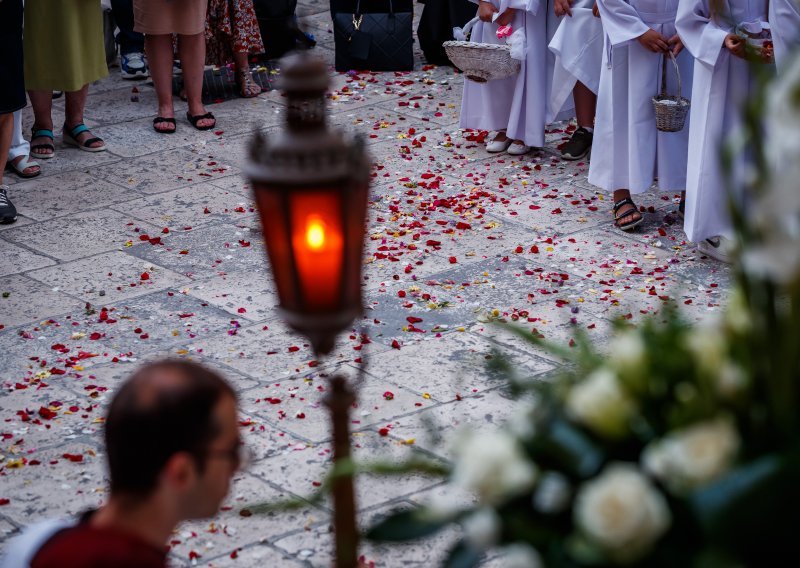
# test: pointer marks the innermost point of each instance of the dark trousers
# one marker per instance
(129, 41)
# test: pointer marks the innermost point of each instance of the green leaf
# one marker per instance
(463, 555)
(405, 525)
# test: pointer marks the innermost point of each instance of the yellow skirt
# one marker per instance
(63, 43)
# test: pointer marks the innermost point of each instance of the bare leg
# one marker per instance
(75, 103)
(247, 86)
(159, 59)
(42, 103)
(6, 129)
(193, 55)
(585, 104)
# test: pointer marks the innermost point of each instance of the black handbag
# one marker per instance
(374, 41)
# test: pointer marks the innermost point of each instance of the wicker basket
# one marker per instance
(481, 62)
(671, 110)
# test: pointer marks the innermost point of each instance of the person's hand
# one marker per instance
(735, 45)
(595, 10)
(654, 41)
(676, 45)
(505, 18)
(563, 7)
(486, 11)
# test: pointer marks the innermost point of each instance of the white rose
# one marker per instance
(628, 353)
(482, 528)
(600, 403)
(694, 456)
(520, 556)
(446, 503)
(492, 465)
(731, 380)
(622, 512)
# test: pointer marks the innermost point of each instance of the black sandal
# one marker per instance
(629, 212)
(197, 118)
(682, 208)
(36, 148)
(171, 121)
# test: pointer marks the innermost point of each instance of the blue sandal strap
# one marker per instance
(42, 132)
(77, 129)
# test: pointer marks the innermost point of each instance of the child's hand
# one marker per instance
(676, 45)
(505, 18)
(595, 10)
(654, 41)
(563, 7)
(735, 45)
(486, 11)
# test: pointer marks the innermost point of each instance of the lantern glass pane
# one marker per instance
(318, 242)
(272, 208)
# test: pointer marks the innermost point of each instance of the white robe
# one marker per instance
(784, 20)
(578, 49)
(722, 82)
(516, 104)
(629, 152)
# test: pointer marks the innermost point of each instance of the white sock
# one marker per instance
(588, 129)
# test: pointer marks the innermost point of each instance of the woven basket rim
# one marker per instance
(474, 45)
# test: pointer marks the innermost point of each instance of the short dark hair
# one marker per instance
(165, 408)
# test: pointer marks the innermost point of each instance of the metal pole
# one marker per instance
(339, 401)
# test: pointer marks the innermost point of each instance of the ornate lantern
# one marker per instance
(311, 186)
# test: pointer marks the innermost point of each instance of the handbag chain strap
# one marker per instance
(357, 19)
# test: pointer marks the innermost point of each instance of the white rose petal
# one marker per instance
(622, 512)
(694, 456)
(482, 528)
(600, 403)
(492, 465)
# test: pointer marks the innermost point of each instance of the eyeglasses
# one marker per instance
(242, 456)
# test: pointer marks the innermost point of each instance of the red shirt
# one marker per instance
(84, 546)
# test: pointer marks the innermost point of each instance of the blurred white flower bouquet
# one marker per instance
(681, 445)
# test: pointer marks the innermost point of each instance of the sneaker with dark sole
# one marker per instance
(720, 248)
(578, 146)
(8, 213)
(133, 66)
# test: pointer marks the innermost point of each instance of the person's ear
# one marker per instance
(180, 471)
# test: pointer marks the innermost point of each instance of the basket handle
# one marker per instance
(469, 25)
(670, 55)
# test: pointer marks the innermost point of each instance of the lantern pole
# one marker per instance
(294, 167)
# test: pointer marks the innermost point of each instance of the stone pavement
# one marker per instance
(153, 249)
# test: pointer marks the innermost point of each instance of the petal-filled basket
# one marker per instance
(671, 110)
(481, 62)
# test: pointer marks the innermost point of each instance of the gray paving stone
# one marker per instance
(147, 174)
(66, 194)
(19, 259)
(24, 300)
(86, 234)
(108, 277)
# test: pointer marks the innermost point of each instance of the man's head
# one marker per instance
(172, 431)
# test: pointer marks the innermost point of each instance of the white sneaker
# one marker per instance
(719, 247)
(518, 148)
(496, 145)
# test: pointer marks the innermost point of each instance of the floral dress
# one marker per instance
(231, 27)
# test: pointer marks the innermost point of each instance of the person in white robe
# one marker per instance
(784, 19)
(515, 107)
(633, 153)
(578, 49)
(722, 83)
